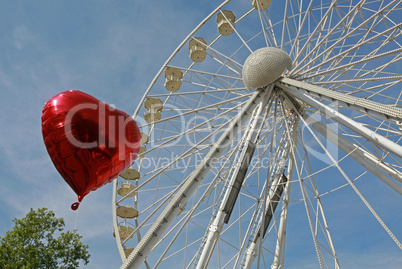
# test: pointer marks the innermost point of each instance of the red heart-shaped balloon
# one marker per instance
(89, 142)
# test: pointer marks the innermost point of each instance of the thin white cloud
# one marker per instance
(115, 62)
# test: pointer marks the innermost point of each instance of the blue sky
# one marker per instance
(108, 49)
(111, 50)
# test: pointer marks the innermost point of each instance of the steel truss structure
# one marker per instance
(228, 175)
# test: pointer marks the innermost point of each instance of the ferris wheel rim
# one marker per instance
(159, 74)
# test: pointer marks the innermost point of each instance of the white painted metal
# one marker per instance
(365, 158)
(359, 104)
(280, 243)
(355, 188)
(320, 211)
(115, 223)
(357, 45)
(351, 11)
(329, 43)
(347, 122)
(347, 16)
(252, 252)
(306, 200)
(176, 51)
(217, 225)
(177, 205)
(311, 36)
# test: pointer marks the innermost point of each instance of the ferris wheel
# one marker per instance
(273, 123)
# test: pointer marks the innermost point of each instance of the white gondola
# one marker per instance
(284, 127)
(226, 21)
(173, 79)
(125, 232)
(130, 174)
(126, 189)
(126, 212)
(154, 106)
(261, 4)
(152, 117)
(197, 48)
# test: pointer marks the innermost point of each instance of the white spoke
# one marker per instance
(357, 191)
(226, 169)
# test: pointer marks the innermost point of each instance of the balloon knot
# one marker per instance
(75, 206)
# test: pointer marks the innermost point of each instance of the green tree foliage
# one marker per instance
(38, 241)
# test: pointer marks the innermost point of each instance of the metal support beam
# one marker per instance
(233, 190)
(365, 158)
(115, 223)
(375, 109)
(279, 181)
(273, 203)
(280, 242)
(356, 127)
(273, 198)
(179, 201)
(239, 175)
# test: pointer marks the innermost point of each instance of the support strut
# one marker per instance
(179, 201)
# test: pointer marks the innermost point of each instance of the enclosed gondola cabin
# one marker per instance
(226, 21)
(198, 47)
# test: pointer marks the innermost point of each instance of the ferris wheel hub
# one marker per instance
(264, 66)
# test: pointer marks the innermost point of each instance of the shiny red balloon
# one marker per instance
(89, 142)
